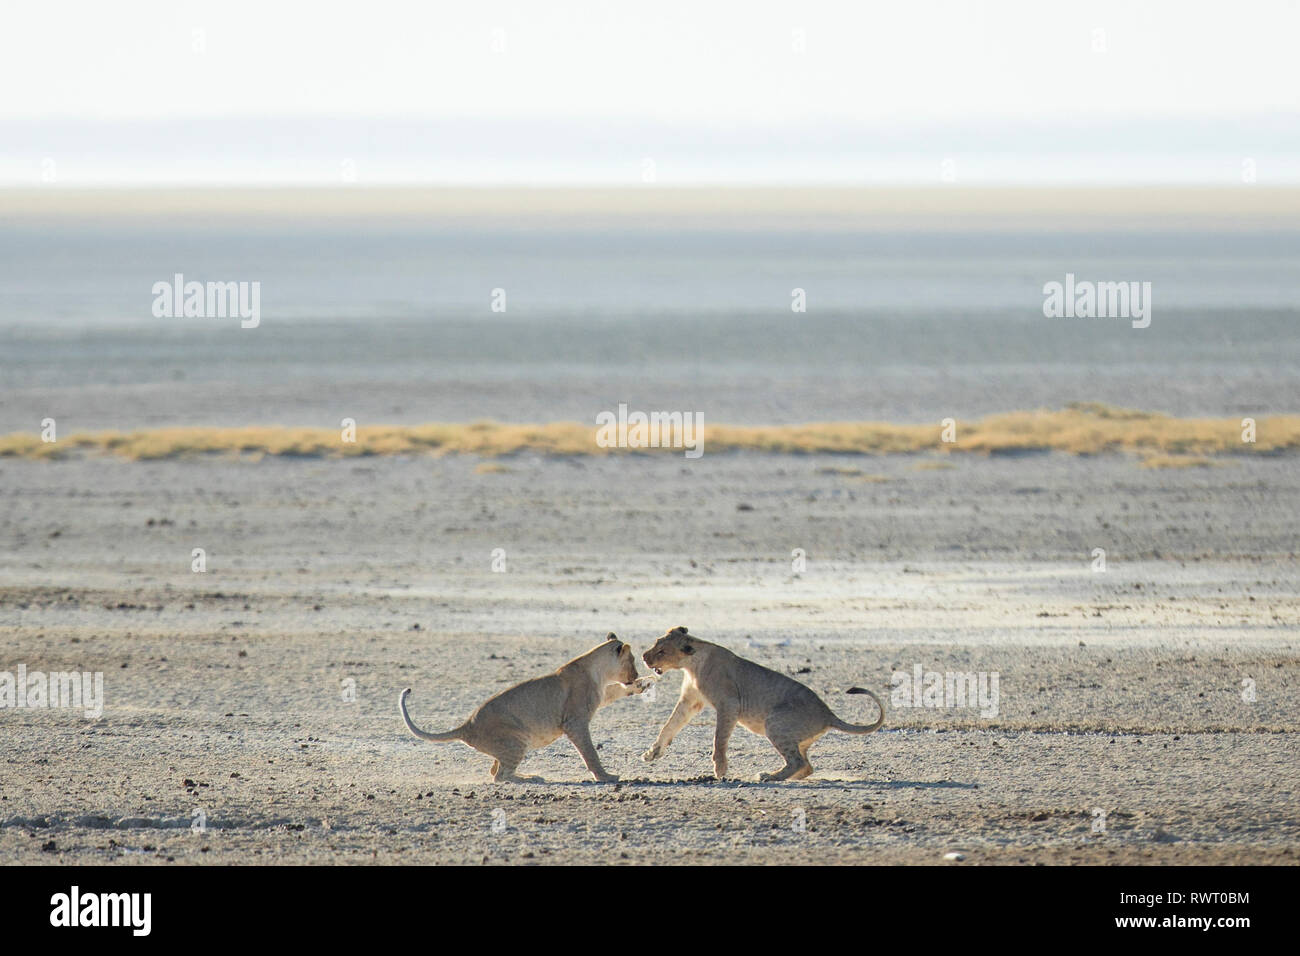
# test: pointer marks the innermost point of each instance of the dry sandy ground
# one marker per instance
(1121, 699)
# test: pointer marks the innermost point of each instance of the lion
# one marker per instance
(535, 713)
(762, 701)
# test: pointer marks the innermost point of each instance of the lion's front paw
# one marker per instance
(654, 753)
(642, 684)
(606, 778)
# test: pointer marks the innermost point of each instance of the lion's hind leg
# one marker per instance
(796, 764)
(507, 755)
(788, 731)
(806, 768)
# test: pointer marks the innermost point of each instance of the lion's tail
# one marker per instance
(861, 728)
(424, 735)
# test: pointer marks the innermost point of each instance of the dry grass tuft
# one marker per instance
(1080, 429)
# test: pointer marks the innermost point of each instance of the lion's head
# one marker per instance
(670, 651)
(622, 662)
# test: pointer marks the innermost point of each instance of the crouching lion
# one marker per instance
(535, 713)
(742, 692)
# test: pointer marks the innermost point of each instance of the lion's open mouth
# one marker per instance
(659, 671)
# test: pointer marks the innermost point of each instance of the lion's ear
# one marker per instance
(611, 636)
(679, 629)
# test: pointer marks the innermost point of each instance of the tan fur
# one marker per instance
(769, 704)
(535, 713)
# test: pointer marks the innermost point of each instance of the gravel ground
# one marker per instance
(1145, 713)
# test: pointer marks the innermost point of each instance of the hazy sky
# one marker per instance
(778, 75)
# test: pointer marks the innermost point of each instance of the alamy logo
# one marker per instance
(923, 688)
(103, 909)
(653, 430)
(80, 690)
(1100, 300)
(211, 300)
